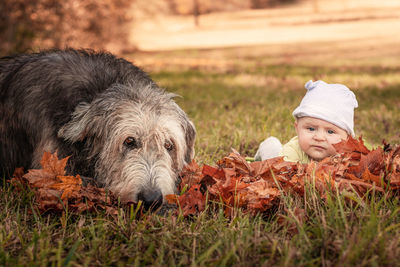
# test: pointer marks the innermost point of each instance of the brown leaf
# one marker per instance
(260, 196)
(368, 176)
(351, 145)
(190, 175)
(266, 168)
(394, 180)
(51, 164)
(69, 185)
(48, 199)
(40, 178)
(360, 187)
(56, 191)
(213, 172)
(17, 178)
(237, 162)
(193, 201)
(253, 187)
(171, 199)
(373, 161)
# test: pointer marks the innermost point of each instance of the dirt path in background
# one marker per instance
(344, 33)
(341, 21)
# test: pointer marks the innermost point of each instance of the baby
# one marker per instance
(324, 117)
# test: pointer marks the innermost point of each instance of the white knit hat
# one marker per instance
(334, 103)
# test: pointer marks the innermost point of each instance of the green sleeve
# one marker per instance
(292, 152)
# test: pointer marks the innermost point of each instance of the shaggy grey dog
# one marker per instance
(117, 125)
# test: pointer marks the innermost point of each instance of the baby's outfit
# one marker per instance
(291, 151)
(334, 103)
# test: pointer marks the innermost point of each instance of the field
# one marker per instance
(237, 97)
(233, 104)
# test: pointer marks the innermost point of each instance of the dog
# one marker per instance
(114, 121)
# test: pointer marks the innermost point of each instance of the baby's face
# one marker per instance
(317, 136)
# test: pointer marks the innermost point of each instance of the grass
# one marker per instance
(240, 107)
(235, 107)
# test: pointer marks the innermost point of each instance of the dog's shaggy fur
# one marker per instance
(117, 125)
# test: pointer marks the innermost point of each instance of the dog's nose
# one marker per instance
(152, 198)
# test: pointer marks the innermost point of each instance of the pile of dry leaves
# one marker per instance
(54, 191)
(253, 187)
(257, 186)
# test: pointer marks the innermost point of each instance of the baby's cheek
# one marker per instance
(331, 151)
(334, 139)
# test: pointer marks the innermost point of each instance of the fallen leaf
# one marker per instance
(190, 175)
(252, 187)
(69, 185)
(192, 202)
(257, 186)
(56, 191)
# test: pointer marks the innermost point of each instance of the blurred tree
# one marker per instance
(190, 7)
(38, 24)
(196, 12)
(269, 3)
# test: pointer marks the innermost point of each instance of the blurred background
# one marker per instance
(239, 65)
(125, 26)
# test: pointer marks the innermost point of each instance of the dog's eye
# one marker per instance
(130, 142)
(169, 145)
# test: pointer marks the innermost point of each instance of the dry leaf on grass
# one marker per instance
(55, 191)
(257, 186)
(252, 187)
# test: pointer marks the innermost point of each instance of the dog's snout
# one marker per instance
(152, 198)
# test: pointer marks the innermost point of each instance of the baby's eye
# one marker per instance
(331, 131)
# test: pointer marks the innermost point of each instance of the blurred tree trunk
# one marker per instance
(196, 12)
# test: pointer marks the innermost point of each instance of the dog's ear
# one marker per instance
(190, 136)
(83, 123)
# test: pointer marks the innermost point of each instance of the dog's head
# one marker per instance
(140, 140)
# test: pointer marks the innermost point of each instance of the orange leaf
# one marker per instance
(351, 145)
(172, 199)
(52, 184)
(368, 176)
(394, 179)
(213, 172)
(193, 201)
(70, 186)
(190, 175)
(52, 164)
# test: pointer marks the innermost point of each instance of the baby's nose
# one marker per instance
(319, 135)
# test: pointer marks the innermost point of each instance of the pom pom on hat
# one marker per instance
(334, 103)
